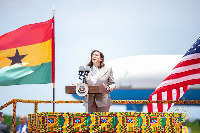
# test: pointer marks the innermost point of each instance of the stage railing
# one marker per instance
(36, 102)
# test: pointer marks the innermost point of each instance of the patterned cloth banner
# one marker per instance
(105, 122)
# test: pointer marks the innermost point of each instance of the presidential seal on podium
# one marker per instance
(81, 89)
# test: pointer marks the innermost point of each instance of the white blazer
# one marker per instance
(106, 77)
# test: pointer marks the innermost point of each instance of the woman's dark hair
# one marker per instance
(102, 57)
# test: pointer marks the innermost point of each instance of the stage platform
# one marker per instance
(105, 122)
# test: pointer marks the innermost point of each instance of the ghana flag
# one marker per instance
(27, 55)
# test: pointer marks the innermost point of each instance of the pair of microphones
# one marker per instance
(83, 72)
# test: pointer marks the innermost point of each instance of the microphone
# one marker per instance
(81, 71)
(87, 70)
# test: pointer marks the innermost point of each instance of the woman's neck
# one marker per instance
(97, 65)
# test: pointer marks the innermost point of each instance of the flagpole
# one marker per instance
(53, 97)
(53, 60)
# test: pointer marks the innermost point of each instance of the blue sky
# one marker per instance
(118, 28)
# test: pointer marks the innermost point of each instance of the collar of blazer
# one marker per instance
(102, 72)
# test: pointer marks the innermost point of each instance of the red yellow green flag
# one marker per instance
(27, 55)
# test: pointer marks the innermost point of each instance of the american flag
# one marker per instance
(185, 73)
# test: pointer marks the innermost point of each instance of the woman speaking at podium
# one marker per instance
(99, 75)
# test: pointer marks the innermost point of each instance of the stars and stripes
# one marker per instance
(185, 73)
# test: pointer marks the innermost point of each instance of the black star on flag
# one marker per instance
(17, 58)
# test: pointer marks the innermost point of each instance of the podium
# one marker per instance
(91, 90)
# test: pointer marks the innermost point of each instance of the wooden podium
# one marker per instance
(91, 90)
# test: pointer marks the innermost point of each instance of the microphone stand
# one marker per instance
(83, 74)
(87, 98)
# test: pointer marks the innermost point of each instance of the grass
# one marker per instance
(195, 126)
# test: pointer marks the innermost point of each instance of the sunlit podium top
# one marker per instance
(91, 90)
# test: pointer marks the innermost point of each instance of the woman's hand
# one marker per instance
(108, 88)
(75, 85)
